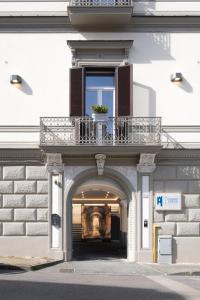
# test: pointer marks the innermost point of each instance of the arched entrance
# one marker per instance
(89, 198)
(99, 220)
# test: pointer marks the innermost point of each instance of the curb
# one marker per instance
(185, 273)
(29, 268)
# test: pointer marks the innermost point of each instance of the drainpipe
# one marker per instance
(155, 227)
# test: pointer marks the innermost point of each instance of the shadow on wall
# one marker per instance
(185, 85)
(151, 46)
(13, 289)
(25, 88)
(145, 6)
(144, 100)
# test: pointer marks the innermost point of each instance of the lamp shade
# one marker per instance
(15, 79)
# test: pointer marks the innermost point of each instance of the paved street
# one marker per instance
(80, 280)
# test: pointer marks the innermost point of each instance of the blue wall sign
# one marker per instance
(168, 201)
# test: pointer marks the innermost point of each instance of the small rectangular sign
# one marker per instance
(168, 201)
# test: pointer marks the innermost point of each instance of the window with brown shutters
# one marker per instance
(123, 87)
(124, 84)
(77, 91)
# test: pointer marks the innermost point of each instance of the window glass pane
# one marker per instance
(90, 99)
(104, 81)
(107, 99)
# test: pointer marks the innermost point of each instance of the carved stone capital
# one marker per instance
(146, 163)
(54, 163)
(100, 160)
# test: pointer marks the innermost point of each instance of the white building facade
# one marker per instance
(141, 59)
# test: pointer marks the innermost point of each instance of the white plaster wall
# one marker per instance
(30, 7)
(149, 7)
(155, 57)
(43, 60)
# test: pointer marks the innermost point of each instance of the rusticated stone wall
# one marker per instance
(184, 179)
(23, 201)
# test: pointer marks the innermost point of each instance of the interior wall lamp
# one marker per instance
(176, 77)
(15, 79)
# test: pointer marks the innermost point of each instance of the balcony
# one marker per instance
(100, 12)
(71, 134)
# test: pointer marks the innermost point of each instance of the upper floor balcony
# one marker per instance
(111, 132)
(100, 12)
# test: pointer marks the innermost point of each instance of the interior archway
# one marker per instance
(99, 219)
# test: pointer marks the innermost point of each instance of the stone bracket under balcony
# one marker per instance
(101, 15)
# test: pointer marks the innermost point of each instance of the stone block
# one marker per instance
(194, 215)
(194, 187)
(165, 172)
(188, 229)
(25, 187)
(14, 228)
(36, 172)
(158, 186)
(37, 201)
(6, 214)
(176, 186)
(42, 214)
(42, 187)
(167, 228)
(188, 172)
(1, 173)
(13, 201)
(176, 216)
(25, 214)
(37, 229)
(6, 187)
(15, 173)
(158, 216)
(1, 228)
(1, 201)
(191, 200)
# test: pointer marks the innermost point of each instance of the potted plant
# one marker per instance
(100, 113)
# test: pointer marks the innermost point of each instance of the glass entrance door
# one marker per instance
(100, 90)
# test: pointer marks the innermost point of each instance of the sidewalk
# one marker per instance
(112, 267)
(176, 269)
(121, 267)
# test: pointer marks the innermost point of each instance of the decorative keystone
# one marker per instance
(100, 160)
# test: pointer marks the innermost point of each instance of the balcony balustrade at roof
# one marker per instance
(100, 12)
(84, 132)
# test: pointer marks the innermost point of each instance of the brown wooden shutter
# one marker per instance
(124, 91)
(77, 92)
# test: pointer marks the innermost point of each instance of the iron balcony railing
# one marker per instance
(118, 131)
(103, 3)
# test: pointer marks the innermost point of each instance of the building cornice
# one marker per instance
(62, 24)
(37, 156)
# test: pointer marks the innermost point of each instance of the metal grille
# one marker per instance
(117, 131)
(94, 3)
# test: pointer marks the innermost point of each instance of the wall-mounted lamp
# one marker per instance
(15, 79)
(176, 77)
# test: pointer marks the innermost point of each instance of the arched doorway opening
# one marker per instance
(99, 220)
(126, 180)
